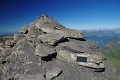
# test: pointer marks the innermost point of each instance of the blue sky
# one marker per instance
(75, 14)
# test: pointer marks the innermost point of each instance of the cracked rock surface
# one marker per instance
(49, 51)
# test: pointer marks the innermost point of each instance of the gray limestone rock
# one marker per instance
(44, 50)
(51, 38)
(73, 33)
(1, 44)
(9, 43)
(32, 77)
(52, 52)
(74, 52)
(54, 72)
(18, 37)
(65, 32)
(83, 59)
(33, 33)
(24, 30)
(66, 55)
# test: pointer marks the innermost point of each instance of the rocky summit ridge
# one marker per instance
(46, 50)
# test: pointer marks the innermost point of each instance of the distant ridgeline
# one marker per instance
(101, 37)
(3, 34)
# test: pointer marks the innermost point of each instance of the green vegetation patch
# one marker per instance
(114, 58)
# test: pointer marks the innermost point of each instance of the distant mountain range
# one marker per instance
(102, 36)
(2, 34)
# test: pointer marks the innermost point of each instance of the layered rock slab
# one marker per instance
(41, 47)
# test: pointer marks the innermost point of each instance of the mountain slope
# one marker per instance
(112, 52)
(46, 50)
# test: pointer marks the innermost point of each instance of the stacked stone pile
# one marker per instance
(49, 51)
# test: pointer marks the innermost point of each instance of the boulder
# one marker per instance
(73, 34)
(24, 30)
(9, 43)
(66, 55)
(92, 65)
(51, 38)
(71, 46)
(65, 32)
(85, 59)
(18, 37)
(71, 51)
(33, 32)
(45, 29)
(43, 50)
(90, 60)
(54, 72)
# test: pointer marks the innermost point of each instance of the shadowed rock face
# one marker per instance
(49, 51)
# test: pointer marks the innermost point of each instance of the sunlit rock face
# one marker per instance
(46, 50)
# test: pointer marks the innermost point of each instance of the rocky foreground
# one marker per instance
(46, 50)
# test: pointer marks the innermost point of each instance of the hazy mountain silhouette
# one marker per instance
(102, 36)
(8, 33)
